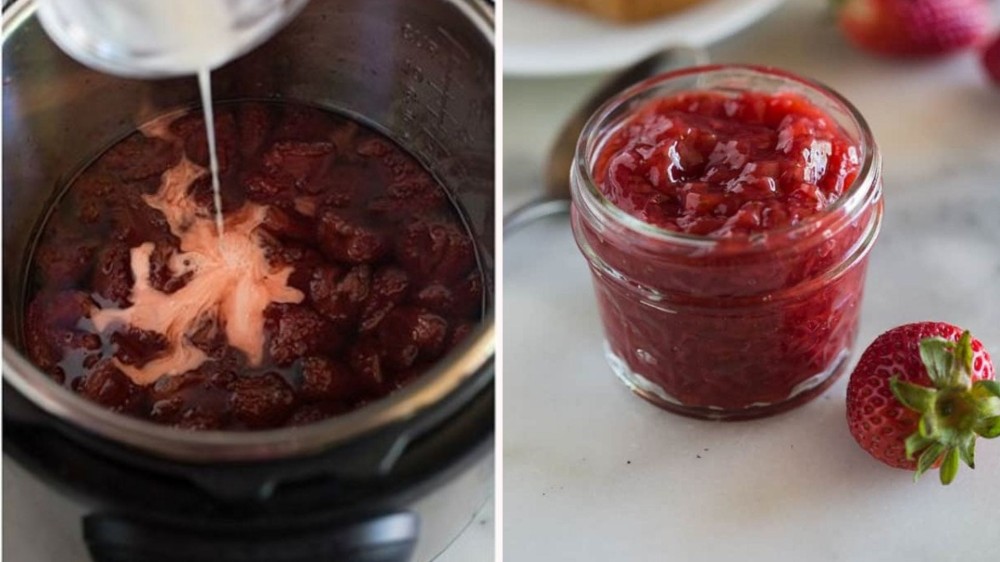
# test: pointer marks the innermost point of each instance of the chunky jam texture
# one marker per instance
(343, 273)
(759, 320)
(724, 166)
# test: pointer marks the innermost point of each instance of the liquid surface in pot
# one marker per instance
(344, 272)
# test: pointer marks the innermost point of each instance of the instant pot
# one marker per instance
(395, 480)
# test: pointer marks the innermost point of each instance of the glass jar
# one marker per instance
(728, 328)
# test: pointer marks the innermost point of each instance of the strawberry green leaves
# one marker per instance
(987, 387)
(938, 356)
(967, 451)
(915, 397)
(949, 468)
(948, 363)
(989, 428)
(952, 413)
(963, 352)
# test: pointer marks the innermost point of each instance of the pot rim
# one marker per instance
(463, 366)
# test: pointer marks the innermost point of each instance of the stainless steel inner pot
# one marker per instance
(422, 72)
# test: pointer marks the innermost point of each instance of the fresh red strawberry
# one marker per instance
(991, 59)
(913, 28)
(924, 388)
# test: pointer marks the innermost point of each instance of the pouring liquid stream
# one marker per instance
(205, 86)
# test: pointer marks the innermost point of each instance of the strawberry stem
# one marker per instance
(953, 412)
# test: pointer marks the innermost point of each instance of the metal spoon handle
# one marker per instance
(535, 209)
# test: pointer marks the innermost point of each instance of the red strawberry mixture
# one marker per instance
(372, 274)
(713, 334)
(722, 166)
(711, 331)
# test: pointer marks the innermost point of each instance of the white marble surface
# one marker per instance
(592, 473)
(40, 525)
(477, 542)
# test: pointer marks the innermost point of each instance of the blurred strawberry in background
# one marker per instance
(991, 59)
(913, 28)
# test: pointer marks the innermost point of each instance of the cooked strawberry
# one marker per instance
(307, 163)
(339, 295)
(409, 333)
(326, 379)
(297, 331)
(191, 129)
(137, 347)
(261, 401)
(913, 28)
(112, 276)
(389, 288)
(111, 388)
(349, 239)
(926, 388)
(991, 59)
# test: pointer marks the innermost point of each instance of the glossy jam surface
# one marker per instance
(752, 320)
(344, 272)
(725, 166)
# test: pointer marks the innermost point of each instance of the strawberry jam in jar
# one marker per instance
(726, 213)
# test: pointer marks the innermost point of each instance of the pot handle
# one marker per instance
(383, 538)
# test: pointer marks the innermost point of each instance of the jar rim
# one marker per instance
(860, 189)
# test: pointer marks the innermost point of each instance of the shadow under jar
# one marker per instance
(726, 213)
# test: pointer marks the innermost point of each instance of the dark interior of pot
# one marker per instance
(419, 72)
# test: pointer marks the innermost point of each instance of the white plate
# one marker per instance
(541, 39)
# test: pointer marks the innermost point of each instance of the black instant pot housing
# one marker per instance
(348, 504)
